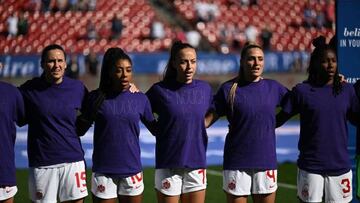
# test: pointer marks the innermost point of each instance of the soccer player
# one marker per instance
(117, 170)
(181, 102)
(56, 158)
(11, 112)
(324, 104)
(249, 103)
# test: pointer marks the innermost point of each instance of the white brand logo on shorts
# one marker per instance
(101, 188)
(8, 190)
(166, 184)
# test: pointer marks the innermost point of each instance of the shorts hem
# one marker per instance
(74, 198)
(10, 194)
(339, 202)
(164, 192)
(132, 194)
(265, 192)
(194, 189)
(309, 200)
(42, 200)
(236, 194)
(102, 197)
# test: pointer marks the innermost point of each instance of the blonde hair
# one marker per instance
(240, 77)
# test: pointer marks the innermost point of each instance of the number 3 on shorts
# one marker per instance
(346, 183)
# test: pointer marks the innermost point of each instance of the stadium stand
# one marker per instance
(69, 28)
(284, 18)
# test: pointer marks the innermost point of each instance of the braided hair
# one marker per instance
(111, 56)
(315, 77)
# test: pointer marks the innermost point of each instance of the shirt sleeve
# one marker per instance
(147, 116)
(282, 92)
(152, 98)
(354, 101)
(291, 102)
(219, 103)
(25, 116)
(20, 109)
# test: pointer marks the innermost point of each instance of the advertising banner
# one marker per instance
(348, 35)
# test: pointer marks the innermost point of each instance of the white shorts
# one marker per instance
(64, 181)
(174, 182)
(247, 182)
(311, 187)
(7, 192)
(105, 187)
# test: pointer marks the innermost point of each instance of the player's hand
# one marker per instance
(133, 88)
(342, 78)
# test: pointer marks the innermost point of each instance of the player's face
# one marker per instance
(122, 74)
(329, 63)
(54, 66)
(253, 64)
(185, 65)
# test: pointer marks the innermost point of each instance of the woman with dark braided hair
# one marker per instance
(249, 103)
(324, 104)
(181, 102)
(117, 170)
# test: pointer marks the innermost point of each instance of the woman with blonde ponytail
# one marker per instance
(249, 103)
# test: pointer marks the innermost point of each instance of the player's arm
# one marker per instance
(152, 126)
(282, 117)
(210, 118)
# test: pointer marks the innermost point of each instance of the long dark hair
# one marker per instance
(314, 69)
(111, 56)
(170, 70)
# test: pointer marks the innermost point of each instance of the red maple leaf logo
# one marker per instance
(101, 188)
(166, 184)
(232, 186)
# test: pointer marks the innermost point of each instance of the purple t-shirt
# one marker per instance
(51, 114)
(181, 108)
(250, 142)
(11, 112)
(323, 127)
(116, 135)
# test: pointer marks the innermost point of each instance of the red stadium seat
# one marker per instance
(67, 28)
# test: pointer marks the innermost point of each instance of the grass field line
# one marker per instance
(283, 185)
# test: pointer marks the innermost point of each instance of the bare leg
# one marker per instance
(236, 199)
(10, 200)
(166, 199)
(264, 198)
(75, 201)
(99, 200)
(130, 199)
(193, 197)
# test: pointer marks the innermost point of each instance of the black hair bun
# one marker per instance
(319, 41)
(333, 42)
